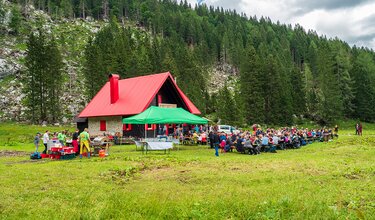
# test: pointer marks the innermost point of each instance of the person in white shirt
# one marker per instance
(45, 141)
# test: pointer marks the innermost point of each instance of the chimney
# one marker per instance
(114, 93)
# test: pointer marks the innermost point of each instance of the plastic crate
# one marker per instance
(44, 155)
(55, 156)
(68, 150)
(55, 149)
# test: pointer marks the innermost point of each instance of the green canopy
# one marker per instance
(156, 115)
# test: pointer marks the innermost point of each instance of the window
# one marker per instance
(126, 127)
(150, 127)
(103, 125)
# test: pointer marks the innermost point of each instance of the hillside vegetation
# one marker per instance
(277, 73)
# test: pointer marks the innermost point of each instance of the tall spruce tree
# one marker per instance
(43, 78)
(251, 87)
(364, 87)
(54, 80)
(330, 106)
(15, 20)
(226, 107)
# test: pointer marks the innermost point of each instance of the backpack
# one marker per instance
(35, 156)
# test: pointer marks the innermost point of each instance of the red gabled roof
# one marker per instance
(135, 96)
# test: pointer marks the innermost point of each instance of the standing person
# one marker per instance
(37, 141)
(62, 138)
(360, 129)
(216, 140)
(84, 139)
(196, 128)
(336, 131)
(45, 141)
(75, 141)
(325, 135)
(357, 129)
(211, 138)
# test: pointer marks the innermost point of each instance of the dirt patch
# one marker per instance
(25, 161)
(13, 153)
(122, 176)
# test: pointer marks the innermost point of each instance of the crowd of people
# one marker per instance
(268, 140)
(251, 142)
(79, 141)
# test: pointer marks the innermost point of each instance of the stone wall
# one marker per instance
(114, 124)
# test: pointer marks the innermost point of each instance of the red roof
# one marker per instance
(135, 96)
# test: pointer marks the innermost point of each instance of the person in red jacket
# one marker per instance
(75, 142)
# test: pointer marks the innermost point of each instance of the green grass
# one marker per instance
(18, 135)
(321, 181)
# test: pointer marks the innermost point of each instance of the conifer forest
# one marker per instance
(282, 72)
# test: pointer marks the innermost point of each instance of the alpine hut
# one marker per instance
(119, 99)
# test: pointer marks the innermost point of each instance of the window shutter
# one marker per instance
(103, 125)
(126, 127)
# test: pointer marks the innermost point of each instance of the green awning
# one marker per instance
(156, 115)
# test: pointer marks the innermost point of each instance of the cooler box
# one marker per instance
(55, 156)
(53, 143)
(55, 149)
(68, 150)
(44, 155)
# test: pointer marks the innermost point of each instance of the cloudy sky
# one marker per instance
(350, 20)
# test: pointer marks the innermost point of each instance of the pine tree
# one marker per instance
(272, 91)
(43, 78)
(310, 91)
(297, 91)
(2, 14)
(31, 77)
(66, 8)
(251, 87)
(364, 84)
(16, 20)
(342, 67)
(54, 80)
(330, 106)
(226, 107)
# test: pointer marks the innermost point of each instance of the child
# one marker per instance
(36, 141)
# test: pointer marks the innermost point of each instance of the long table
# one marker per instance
(156, 145)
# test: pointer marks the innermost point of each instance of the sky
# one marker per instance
(350, 20)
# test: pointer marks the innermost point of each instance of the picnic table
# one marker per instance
(154, 145)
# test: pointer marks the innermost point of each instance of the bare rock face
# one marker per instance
(221, 74)
(72, 36)
(9, 60)
(11, 107)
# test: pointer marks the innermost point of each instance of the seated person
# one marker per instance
(326, 135)
(228, 145)
(248, 145)
(281, 142)
(239, 145)
(223, 137)
(203, 138)
(256, 144)
(222, 144)
(296, 141)
(275, 142)
(265, 142)
(195, 137)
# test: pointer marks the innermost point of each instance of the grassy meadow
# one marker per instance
(332, 180)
